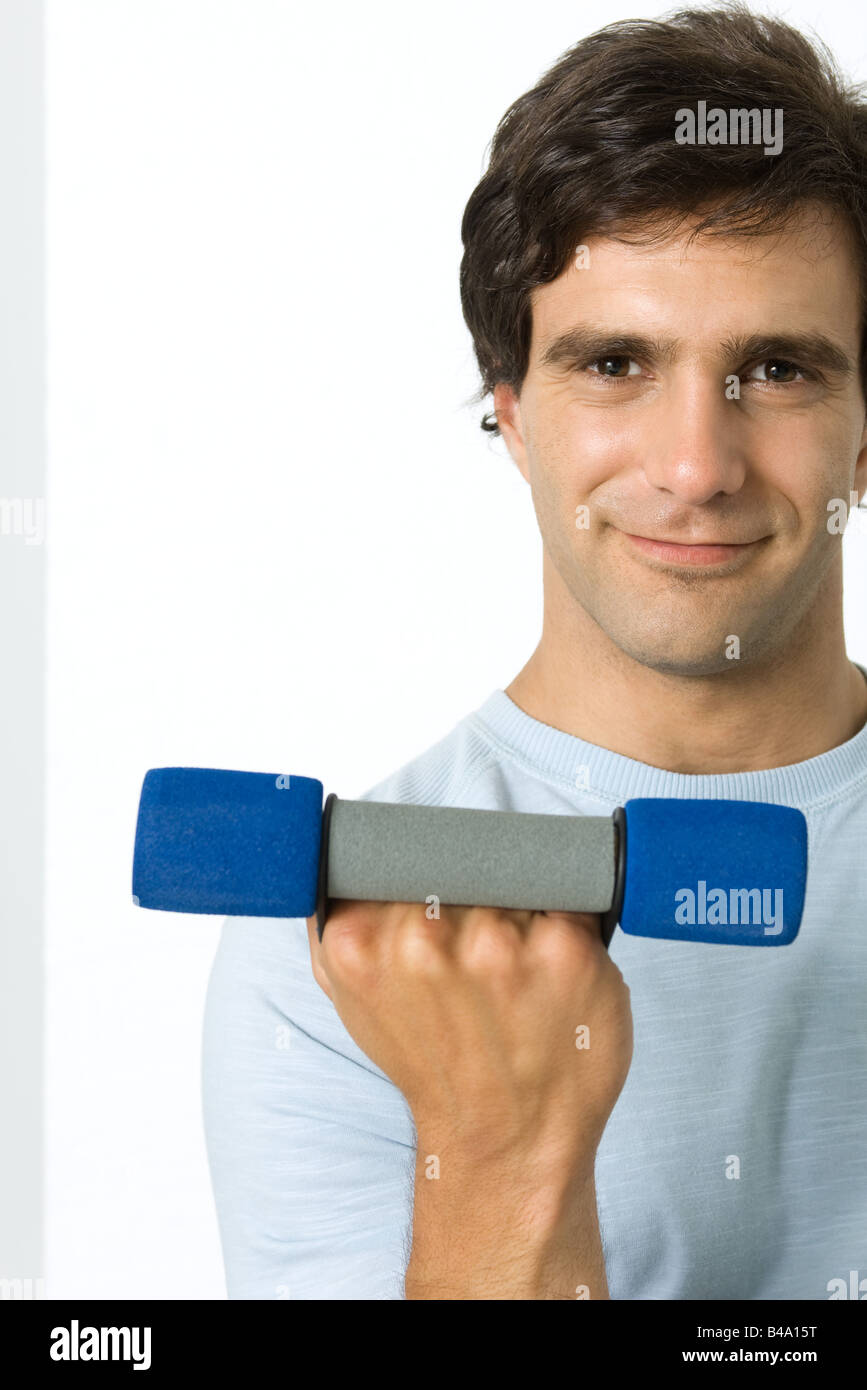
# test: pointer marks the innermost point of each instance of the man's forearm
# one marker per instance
(474, 1016)
(502, 1229)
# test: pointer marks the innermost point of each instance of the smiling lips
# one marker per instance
(694, 554)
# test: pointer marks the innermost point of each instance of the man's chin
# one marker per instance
(686, 661)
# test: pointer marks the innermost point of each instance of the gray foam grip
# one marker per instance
(391, 852)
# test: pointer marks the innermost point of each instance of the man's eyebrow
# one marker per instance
(582, 343)
(813, 348)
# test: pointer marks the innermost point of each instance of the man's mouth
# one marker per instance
(695, 553)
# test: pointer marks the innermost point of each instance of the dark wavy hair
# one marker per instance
(591, 149)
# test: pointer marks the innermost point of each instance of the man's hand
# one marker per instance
(510, 1036)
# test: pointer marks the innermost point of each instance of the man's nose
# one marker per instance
(696, 448)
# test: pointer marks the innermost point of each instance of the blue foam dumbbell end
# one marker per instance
(240, 843)
(723, 872)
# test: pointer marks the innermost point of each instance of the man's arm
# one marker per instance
(510, 1036)
(483, 1230)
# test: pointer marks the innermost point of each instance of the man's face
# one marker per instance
(638, 420)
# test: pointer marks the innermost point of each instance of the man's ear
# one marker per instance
(861, 469)
(507, 409)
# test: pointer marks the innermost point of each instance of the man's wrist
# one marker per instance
(520, 1226)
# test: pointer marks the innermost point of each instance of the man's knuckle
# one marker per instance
(347, 943)
(564, 945)
(490, 944)
(420, 949)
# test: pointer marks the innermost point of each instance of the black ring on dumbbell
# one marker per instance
(611, 918)
(322, 903)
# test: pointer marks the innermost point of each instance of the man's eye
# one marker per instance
(775, 370)
(614, 366)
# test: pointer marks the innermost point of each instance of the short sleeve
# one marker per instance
(311, 1147)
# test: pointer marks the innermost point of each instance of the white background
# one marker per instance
(277, 538)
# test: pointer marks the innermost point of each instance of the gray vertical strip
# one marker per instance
(22, 623)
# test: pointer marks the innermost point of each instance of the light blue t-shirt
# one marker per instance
(734, 1164)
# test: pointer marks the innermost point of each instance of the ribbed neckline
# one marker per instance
(559, 757)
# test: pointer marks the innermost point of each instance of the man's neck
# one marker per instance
(804, 701)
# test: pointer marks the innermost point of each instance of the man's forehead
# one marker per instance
(818, 238)
(804, 276)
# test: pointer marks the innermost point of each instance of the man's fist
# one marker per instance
(508, 1032)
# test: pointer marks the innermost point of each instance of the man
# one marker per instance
(672, 333)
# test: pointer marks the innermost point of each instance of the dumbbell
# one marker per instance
(255, 844)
